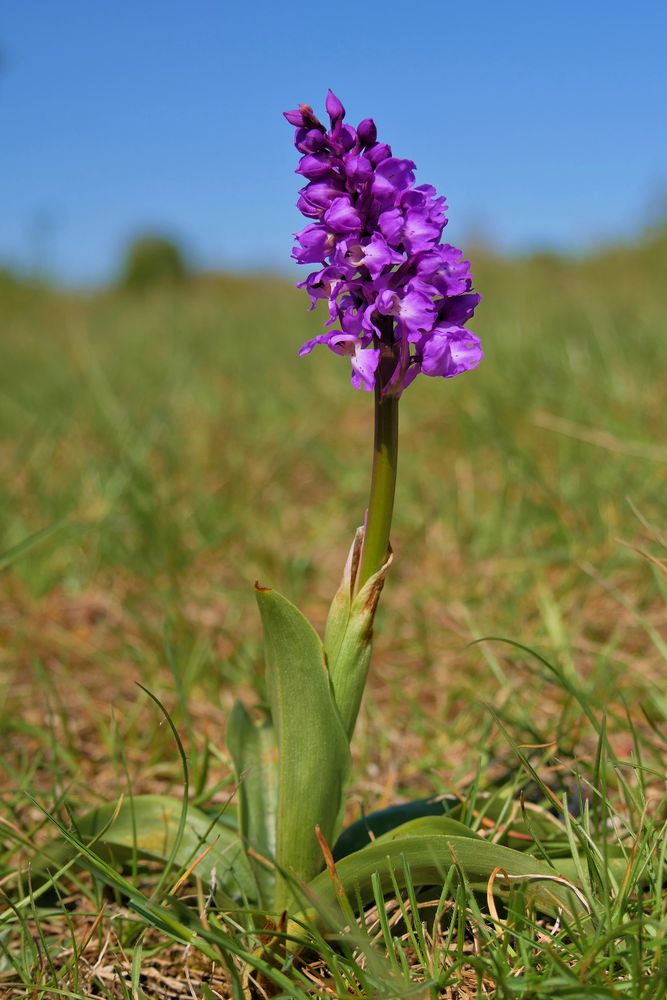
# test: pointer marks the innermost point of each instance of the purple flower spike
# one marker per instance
(399, 297)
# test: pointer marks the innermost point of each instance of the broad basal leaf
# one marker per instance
(146, 826)
(429, 848)
(374, 824)
(313, 752)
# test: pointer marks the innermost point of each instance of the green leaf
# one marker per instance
(339, 611)
(146, 827)
(255, 755)
(313, 752)
(430, 826)
(518, 825)
(348, 636)
(374, 824)
(429, 848)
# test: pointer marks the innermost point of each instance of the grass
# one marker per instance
(160, 453)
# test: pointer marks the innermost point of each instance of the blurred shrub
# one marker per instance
(7, 278)
(153, 260)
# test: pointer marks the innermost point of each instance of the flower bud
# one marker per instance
(379, 152)
(367, 132)
(335, 110)
(303, 117)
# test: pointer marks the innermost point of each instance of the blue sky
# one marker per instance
(543, 123)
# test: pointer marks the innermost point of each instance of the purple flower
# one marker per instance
(342, 217)
(449, 351)
(316, 243)
(398, 297)
(376, 255)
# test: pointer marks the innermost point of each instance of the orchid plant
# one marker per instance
(398, 302)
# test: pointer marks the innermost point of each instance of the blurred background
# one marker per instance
(543, 123)
(162, 445)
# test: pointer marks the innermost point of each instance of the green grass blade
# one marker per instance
(255, 756)
(26, 544)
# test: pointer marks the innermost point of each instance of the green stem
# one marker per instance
(383, 486)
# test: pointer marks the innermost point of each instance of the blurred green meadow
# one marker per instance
(163, 449)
